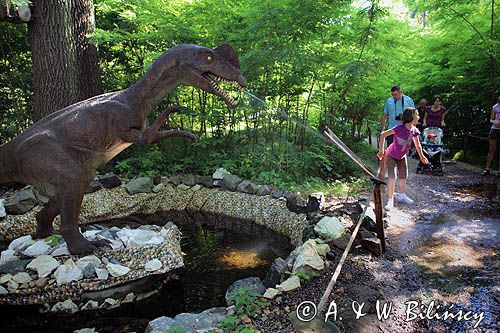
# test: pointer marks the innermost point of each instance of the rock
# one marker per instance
(61, 250)
(3, 213)
(139, 237)
(277, 194)
(88, 260)
(14, 266)
(110, 180)
(205, 321)
(308, 258)
(230, 182)
(176, 180)
(164, 180)
(139, 185)
(37, 249)
(42, 282)
(247, 186)
(292, 283)
(156, 179)
(263, 190)
(219, 174)
(117, 270)
(90, 305)
(315, 202)
(93, 186)
(3, 291)
(295, 203)
(5, 278)
(40, 198)
(329, 227)
(271, 293)
(342, 242)
(275, 273)
(102, 273)
(88, 271)
(110, 303)
(188, 180)
(8, 255)
(22, 277)
(207, 181)
(12, 286)
(153, 265)
(373, 245)
(183, 187)
(158, 188)
(369, 223)
(86, 330)
(44, 265)
(322, 249)
(105, 234)
(68, 272)
(21, 243)
(21, 202)
(66, 306)
(129, 298)
(252, 283)
(196, 187)
(217, 183)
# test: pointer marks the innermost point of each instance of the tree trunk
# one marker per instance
(53, 56)
(65, 62)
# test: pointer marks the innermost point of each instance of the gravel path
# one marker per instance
(444, 248)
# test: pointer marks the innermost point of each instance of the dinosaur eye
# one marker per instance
(209, 58)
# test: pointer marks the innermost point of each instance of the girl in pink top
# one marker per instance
(494, 136)
(395, 156)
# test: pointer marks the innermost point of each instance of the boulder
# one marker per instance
(252, 283)
(196, 187)
(342, 242)
(88, 271)
(66, 306)
(3, 213)
(22, 277)
(308, 258)
(102, 273)
(3, 291)
(139, 185)
(42, 199)
(68, 272)
(8, 255)
(44, 265)
(153, 265)
(219, 174)
(329, 227)
(264, 190)
(176, 180)
(271, 293)
(93, 186)
(189, 180)
(183, 187)
(373, 245)
(207, 181)
(21, 202)
(21, 243)
(158, 188)
(275, 273)
(61, 250)
(88, 260)
(90, 305)
(117, 270)
(205, 321)
(37, 249)
(230, 182)
(277, 194)
(295, 203)
(292, 283)
(14, 266)
(315, 202)
(110, 180)
(247, 186)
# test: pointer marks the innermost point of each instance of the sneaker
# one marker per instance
(405, 199)
(398, 197)
(485, 172)
(390, 204)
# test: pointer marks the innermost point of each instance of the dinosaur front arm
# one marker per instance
(153, 134)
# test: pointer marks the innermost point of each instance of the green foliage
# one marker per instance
(247, 301)
(303, 277)
(53, 240)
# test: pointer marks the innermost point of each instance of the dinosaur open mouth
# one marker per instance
(212, 78)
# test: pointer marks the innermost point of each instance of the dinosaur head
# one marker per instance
(203, 67)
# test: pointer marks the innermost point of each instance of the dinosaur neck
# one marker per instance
(161, 78)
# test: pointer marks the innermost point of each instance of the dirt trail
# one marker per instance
(444, 248)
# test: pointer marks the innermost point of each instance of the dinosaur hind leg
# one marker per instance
(44, 219)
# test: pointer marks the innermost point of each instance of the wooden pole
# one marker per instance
(379, 220)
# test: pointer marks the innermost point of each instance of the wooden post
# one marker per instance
(379, 220)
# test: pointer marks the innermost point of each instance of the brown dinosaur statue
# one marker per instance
(60, 153)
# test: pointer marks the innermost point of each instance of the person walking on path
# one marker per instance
(494, 136)
(422, 107)
(434, 115)
(393, 110)
(403, 135)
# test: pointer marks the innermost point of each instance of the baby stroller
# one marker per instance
(433, 149)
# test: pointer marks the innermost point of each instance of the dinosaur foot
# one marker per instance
(43, 233)
(77, 244)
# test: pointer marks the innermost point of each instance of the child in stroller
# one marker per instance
(433, 149)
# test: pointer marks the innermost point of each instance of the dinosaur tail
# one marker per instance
(6, 158)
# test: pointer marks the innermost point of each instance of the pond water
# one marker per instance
(219, 251)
